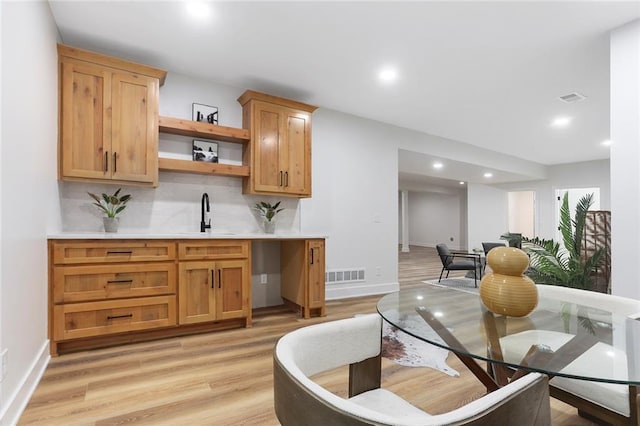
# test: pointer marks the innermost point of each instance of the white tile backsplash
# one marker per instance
(174, 206)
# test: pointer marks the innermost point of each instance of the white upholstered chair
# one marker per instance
(613, 403)
(357, 342)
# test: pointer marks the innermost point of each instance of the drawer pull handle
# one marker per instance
(119, 281)
(213, 278)
(115, 162)
(119, 252)
(219, 278)
(110, 317)
(106, 161)
(312, 256)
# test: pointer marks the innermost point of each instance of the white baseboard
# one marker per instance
(342, 291)
(18, 401)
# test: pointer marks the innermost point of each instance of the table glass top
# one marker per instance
(560, 337)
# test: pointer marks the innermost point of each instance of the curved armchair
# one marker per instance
(457, 261)
(357, 342)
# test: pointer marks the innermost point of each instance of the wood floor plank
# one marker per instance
(225, 378)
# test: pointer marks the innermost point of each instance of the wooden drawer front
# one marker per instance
(114, 316)
(213, 250)
(112, 251)
(86, 283)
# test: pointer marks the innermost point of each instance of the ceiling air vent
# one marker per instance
(572, 98)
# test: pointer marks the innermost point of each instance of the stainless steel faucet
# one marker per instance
(204, 203)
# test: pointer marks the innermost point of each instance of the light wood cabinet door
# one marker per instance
(210, 291)
(266, 171)
(316, 271)
(134, 140)
(85, 125)
(196, 295)
(108, 119)
(233, 300)
(295, 153)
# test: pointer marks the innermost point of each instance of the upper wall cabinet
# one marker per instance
(280, 154)
(108, 119)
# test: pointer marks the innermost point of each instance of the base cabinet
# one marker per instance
(303, 269)
(211, 291)
(104, 292)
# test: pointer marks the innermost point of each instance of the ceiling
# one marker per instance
(483, 73)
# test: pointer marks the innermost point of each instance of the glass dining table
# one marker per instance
(549, 340)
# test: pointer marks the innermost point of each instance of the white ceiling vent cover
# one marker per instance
(572, 98)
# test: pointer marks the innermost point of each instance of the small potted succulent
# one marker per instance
(111, 205)
(268, 211)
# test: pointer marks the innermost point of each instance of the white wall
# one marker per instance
(355, 199)
(521, 212)
(575, 175)
(625, 159)
(436, 217)
(487, 212)
(29, 193)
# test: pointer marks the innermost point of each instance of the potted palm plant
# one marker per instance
(268, 212)
(112, 206)
(567, 265)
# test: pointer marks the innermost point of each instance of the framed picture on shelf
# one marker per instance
(204, 113)
(205, 151)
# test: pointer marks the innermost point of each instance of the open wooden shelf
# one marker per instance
(182, 127)
(201, 167)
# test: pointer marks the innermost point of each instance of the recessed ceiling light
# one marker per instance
(561, 121)
(488, 175)
(461, 183)
(388, 75)
(198, 9)
(437, 165)
(606, 143)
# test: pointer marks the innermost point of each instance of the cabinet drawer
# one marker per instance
(86, 283)
(112, 251)
(213, 250)
(114, 316)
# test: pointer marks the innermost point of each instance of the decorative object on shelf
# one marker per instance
(112, 206)
(506, 290)
(204, 113)
(268, 212)
(205, 151)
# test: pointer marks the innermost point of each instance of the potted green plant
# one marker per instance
(112, 206)
(567, 266)
(268, 211)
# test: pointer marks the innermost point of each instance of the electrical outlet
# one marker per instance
(263, 278)
(4, 357)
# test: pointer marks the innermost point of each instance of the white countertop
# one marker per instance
(181, 236)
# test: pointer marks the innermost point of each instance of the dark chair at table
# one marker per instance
(487, 248)
(459, 261)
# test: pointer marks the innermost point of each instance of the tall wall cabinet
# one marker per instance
(280, 150)
(108, 119)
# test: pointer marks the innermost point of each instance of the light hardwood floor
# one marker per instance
(225, 378)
